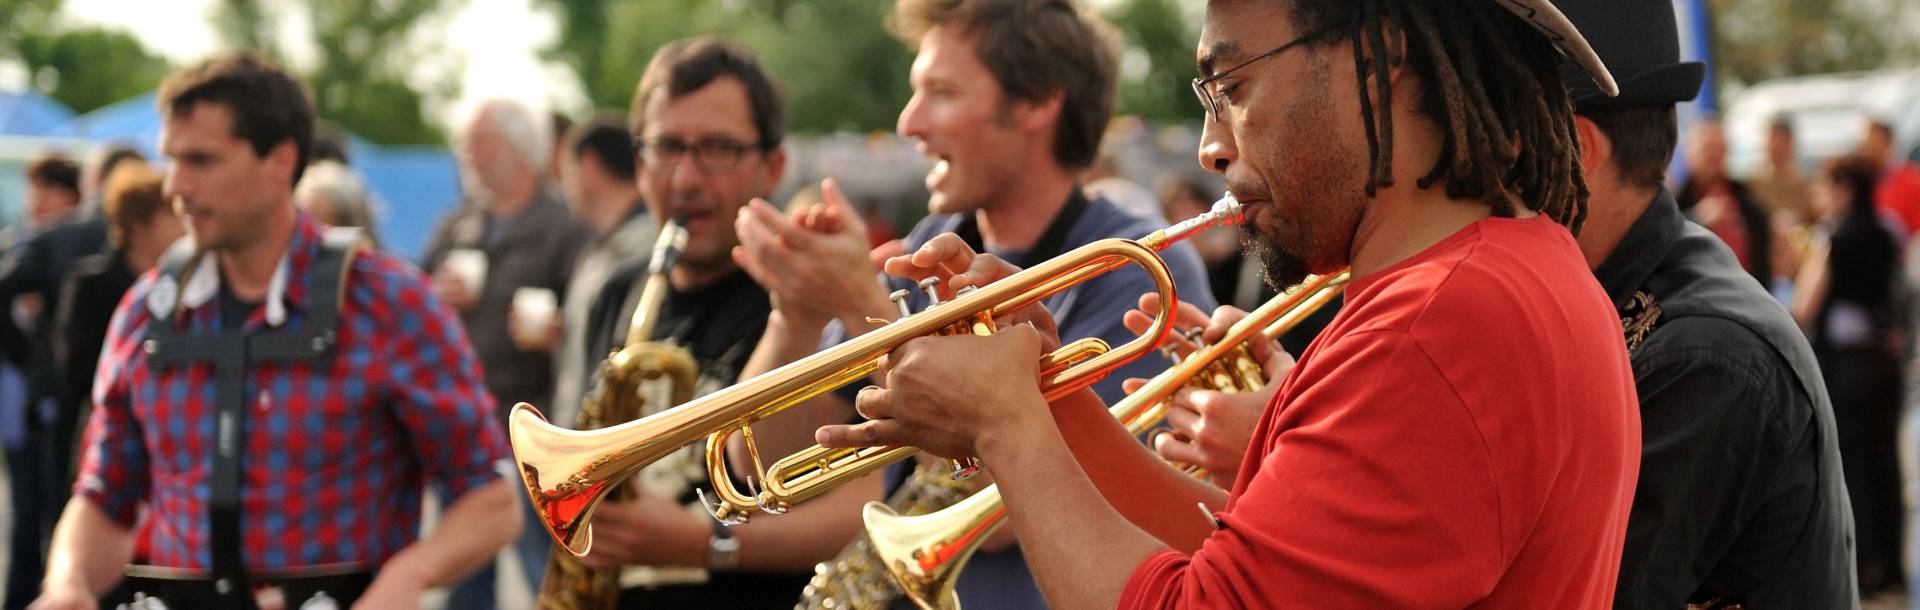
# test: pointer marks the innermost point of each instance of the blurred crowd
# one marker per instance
(1831, 242)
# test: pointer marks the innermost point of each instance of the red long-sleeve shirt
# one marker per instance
(1464, 434)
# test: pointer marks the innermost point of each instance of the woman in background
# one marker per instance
(1845, 303)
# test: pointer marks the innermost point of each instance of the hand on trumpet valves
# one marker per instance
(949, 260)
(1209, 428)
(946, 394)
(814, 262)
(647, 530)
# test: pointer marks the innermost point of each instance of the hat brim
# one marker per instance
(1550, 22)
(1665, 85)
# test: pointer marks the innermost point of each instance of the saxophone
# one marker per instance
(617, 398)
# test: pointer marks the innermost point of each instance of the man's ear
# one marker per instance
(776, 165)
(1396, 43)
(1396, 50)
(282, 158)
(1040, 116)
(1596, 149)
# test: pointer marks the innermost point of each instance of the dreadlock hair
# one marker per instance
(1488, 80)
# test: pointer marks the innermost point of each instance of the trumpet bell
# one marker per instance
(565, 472)
(923, 553)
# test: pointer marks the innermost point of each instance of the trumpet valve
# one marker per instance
(965, 468)
(771, 505)
(726, 514)
(931, 286)
(899, 298)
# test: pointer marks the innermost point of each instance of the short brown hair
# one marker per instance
(1034, 48)
(269, 106)
(55, 170)
(689, 64)
(1643, 139)
(133, 194)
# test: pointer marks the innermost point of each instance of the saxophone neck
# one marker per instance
(666, 252)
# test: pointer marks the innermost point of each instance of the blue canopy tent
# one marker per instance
(30, 114)
(413, 186)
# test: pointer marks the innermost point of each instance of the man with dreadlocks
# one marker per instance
(1464, 434)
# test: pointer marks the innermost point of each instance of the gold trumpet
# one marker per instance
(568, 473)
(926, 553)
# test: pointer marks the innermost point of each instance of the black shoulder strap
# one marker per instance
(326, 293)
(174, 264)
(1052, 242)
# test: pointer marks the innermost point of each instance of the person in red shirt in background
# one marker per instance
(1464, 434)
(1723, 205)
(1899, 190)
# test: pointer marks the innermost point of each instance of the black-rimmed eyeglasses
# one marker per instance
(1200, 85)
(713, 154)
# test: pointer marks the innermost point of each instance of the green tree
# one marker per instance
(87, 68)
(359, 80)
(24, 19)
(1157, 61)
(839, 68)
(243, 24)
(1755, 40)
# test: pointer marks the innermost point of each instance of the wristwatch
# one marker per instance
(723, 550)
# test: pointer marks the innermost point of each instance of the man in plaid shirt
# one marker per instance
(333, 453)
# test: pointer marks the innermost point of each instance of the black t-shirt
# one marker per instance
(720, 324)
(234, 311)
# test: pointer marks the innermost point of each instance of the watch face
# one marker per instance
(723, 553)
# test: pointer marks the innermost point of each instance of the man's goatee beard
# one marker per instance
(1280, 269)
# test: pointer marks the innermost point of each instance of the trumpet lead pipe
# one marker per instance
(1226, 211)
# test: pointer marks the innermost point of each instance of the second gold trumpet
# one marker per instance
(926, 553)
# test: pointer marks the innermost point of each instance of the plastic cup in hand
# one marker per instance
(534, 310)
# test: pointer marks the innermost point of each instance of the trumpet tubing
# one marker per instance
(926, 553)
(568, 473)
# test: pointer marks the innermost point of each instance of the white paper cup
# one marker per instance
(534, 310)
(470, 266)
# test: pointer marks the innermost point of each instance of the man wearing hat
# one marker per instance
(1740, 500)
(1463, 434)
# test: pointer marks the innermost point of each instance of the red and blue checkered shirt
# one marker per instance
(336, 455)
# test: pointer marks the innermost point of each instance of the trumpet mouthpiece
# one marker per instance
(1226, 211)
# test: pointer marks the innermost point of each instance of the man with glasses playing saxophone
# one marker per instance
(708, 122)
(1011, 99)
(1463, 435)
